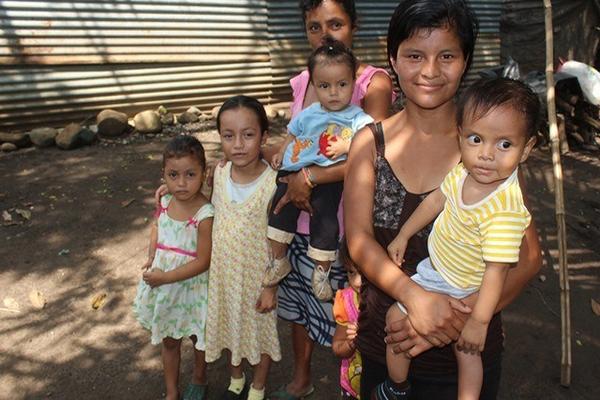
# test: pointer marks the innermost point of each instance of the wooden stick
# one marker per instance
(565, 309)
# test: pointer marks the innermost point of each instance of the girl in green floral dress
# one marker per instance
(171, 300)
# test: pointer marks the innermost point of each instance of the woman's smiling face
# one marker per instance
(430, 65)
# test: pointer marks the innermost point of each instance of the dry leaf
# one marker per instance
(6, 216)
(24, 213)
(595, 307)
(11, 303)
(37, 299)
(98, 300)
(127, 202)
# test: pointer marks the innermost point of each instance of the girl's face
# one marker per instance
(430, 65)
(354, 279)
(334, 85)
(184, 177)
(328, 20)
(241, 137)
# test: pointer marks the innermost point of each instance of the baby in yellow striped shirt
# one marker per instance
(482, 219)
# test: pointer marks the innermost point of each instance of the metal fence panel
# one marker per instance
(64, 61)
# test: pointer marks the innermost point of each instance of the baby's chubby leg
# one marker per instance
(470, 375)
(395, 387)
(397, 364)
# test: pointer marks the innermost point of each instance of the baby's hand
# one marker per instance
(148, 263)
(276, 160)
(337, 148)
(472, 337)
(154, 277)
(396, 249)
(351, 331)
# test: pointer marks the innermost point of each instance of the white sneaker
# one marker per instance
(320, 284)
(276, 271)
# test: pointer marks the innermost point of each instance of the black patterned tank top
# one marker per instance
(392, 206)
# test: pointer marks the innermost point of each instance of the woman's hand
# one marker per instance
(404, 338)
(154, 278)
(298, 192)
(160, 192)
(267, 301)
(433, 316)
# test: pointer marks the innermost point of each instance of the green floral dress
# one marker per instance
(177, 309)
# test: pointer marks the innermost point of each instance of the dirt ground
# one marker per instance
(87, 235)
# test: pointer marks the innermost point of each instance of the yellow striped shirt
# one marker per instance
(465, 236)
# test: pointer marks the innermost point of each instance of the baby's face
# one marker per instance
(334, 85)
(494, 145)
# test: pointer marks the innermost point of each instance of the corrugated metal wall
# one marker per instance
(289, 48)
(66, 60)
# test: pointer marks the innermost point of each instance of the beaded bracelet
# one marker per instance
(308, 177)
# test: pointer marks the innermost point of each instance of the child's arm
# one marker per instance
(344, 344)
(151, 247)
(424, 214)
(472, 337)
(278, 157)
(195, 267)
(267, 301)
(338, 147)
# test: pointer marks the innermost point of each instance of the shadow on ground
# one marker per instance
(86, 237)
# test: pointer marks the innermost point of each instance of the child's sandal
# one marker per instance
(195, 391)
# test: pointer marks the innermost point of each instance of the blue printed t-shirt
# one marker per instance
(312, 129)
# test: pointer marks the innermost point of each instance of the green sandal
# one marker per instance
(283, 394)
(194, 391)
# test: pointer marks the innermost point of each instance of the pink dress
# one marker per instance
(299, 85)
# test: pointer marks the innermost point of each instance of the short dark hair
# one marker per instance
(333, 51)
(182, 146)
(347, 5)
(413, 15)
(487, 94)
(251, 104)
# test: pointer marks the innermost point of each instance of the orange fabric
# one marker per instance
(339, 311)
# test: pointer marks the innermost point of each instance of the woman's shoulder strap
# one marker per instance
(377, 130)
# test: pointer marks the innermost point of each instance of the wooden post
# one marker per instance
(565, 309)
